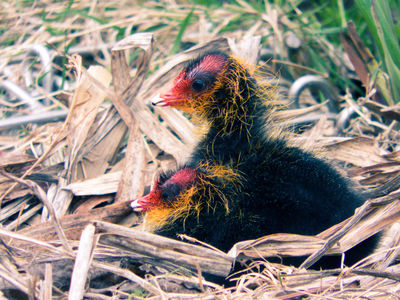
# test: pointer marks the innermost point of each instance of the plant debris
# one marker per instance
(66, 186)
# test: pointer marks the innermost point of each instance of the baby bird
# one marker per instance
(193, 201)
(243, 180)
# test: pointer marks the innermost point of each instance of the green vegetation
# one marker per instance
(386, 36)
(318, 25)
(182, 27)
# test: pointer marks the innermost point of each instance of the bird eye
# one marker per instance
(169, 192)
(198, 85)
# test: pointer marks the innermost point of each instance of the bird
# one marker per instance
(192, 200)
(244, 179)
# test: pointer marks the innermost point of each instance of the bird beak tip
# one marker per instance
(168, 99)
(157, 100)
(136, 206)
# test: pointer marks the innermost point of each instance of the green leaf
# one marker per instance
(386, 29)
(390, 44)
(364, 6)
(182, 28)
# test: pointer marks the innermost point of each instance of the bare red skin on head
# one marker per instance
(213, 63)
(184, 178)
(181, 91)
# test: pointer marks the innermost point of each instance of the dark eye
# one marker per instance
(169, 192)
(198, 85)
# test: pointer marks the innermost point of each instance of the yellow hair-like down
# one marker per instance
(196, 198)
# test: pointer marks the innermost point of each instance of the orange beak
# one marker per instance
(141, 204)
(167, 99)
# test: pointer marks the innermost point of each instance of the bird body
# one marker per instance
(246, 180)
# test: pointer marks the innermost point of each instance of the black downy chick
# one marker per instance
(245, 180)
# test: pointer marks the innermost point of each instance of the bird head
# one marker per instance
(178, 194)
(170, 197)
(217, 89)
(196, 83)
(166, 190)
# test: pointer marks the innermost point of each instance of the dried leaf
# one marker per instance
(359, 151)
(88, 97)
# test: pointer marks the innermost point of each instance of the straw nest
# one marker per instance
(65, 187)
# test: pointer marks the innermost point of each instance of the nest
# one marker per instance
(68, 229)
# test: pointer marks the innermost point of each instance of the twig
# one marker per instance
(82, 263)
(17, 282)
(61, 135)
(384, 189)
(48, 281)
(193, 240)
(129, 275)
(132, 180)
(36, 242)
(337, 236)
(38, 191)
(165, 250)
(388, 275)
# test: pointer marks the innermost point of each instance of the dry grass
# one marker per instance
(57, 178)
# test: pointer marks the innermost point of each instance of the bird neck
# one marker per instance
(229, 138)
(238, 106)
(239, 114)
(245, 120)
